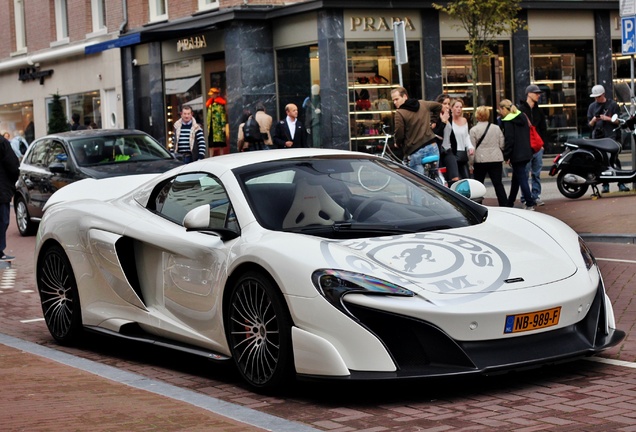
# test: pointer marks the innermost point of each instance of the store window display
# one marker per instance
(313, 115)
(216, 122)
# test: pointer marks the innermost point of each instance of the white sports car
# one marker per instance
(318, 264)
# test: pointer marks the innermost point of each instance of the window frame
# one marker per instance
(205, 5)
(61, 21)
(20, 27)
(154, 12)
(98, 15)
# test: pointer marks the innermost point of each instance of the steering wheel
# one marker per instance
(366, 203)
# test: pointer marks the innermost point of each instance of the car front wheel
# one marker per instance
(59, 295)
(25, 226)
(258, 330)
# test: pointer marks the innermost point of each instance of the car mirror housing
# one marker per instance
(198, 219)
(58, 167)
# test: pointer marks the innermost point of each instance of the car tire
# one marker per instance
(59, 296)
(569, 190)
(26, 227)
(258, 330)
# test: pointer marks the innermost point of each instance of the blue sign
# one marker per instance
(629, 35)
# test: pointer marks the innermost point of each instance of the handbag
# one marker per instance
(535, 139)
(462, 156)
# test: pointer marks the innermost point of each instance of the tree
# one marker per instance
(57, 122)
(483, 20)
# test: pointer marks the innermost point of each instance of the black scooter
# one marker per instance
(589, 162)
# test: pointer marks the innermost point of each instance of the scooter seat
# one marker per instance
(430, 159)
(603, 144)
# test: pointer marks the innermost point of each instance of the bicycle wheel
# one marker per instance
(372, 180)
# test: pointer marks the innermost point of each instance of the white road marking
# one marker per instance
(612, 362)
(28, 321)
(616, 260)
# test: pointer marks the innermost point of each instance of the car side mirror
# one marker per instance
(58, 167)
(198, 219)
(470, 188)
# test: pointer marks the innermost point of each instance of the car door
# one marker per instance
(64, 173)
(34, 177)
(181, 273)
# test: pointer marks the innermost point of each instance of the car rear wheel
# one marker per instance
(59, 296)
(25, 226)
(258, 330)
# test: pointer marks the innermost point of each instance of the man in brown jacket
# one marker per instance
(413, 130)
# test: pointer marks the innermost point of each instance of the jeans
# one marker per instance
(415, 161)
(5, 220)
(520, 180)
(533, 170)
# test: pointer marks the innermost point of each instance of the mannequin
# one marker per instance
(216, 122)
(313, 115)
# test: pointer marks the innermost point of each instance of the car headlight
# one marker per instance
(586, 253)
(334, 284)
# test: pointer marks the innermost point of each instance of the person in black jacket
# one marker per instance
(530, 107)
(289, 132)
(8, 176)
(517, 151)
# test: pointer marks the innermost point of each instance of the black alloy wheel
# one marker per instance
(59, 295)
(258, 328)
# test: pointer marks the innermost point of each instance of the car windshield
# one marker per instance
(117, 149)
(348, 197)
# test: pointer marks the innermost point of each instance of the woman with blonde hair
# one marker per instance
(517, 151)
(488, 141)
(457, 140)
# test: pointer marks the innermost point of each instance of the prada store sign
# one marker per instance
(360, 24)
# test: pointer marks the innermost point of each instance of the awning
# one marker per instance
(122, 41)
(182, 85)
(196, 104)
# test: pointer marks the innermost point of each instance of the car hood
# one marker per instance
(130, 168)
(479, 259)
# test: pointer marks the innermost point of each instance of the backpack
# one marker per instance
(252, 130)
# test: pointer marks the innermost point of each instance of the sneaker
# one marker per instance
(6, 257)
(531, 208)
(539, 202)
(623, 188)
(605, 189)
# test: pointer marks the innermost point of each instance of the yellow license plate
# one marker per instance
(532, 321)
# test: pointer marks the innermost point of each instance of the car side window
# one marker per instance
(176, 198)
(57, 153)
(37, 156)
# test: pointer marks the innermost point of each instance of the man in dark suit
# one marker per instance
(290, 132)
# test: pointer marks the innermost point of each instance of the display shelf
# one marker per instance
(555, 75)
(457, 83)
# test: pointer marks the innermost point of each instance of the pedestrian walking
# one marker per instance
(530, 107)
(188, 137)
(8, 176)
(517, 151)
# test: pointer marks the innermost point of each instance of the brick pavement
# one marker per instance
(39, 394)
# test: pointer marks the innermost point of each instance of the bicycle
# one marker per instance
(369, 179)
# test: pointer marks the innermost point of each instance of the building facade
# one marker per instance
(334, 60)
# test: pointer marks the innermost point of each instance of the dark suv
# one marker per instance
(54, 161)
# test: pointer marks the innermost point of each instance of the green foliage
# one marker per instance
(57, 122)
(483, 21)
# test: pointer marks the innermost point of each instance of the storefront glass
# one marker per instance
(17, 117)
(299, 83)
(182, 87)
(372, 73)
(565, 72)
(86, 105)
(493, 78)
